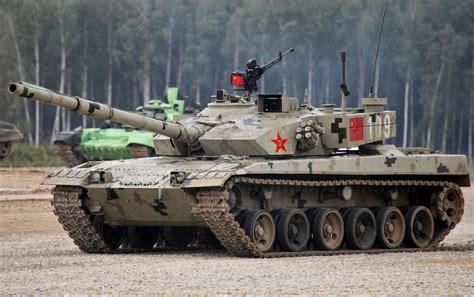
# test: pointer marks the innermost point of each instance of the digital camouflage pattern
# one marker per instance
(267, 175)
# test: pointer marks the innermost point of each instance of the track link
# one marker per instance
(213, 207)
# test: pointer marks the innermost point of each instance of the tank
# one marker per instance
(114, 141)
(266, 174)
(8, 134)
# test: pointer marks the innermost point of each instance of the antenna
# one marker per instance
(371, 90)
(344, 90)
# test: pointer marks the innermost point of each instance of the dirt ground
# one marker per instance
(37, 257)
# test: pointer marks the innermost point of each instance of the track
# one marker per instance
(68, 155)
(213, 207)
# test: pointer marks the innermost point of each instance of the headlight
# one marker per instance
(96, 177)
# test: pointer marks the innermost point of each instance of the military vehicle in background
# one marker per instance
(269, 175)
(115, 141)
(8, 134)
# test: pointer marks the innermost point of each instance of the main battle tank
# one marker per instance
(8, 133)
(267, 174)
(114, 141)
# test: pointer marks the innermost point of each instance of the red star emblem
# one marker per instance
(280, 143)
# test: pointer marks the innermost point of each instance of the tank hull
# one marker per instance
(8, 133)
(143, 192)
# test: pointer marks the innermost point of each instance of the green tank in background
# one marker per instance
(269, 175)
(8, 134)
(115, 141)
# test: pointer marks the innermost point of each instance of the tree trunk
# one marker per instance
(433, 105)
(361, 78)
(198, 95)
(469, 147)
(109, 64)
(445, 129)
(444, 139)
(411, 120)
(146, 82)
(405, 108)
(85, 68)
(376, 80)
(68, 112)
(37, 80)
(471, 114)
(62, 70)
(460, 134)
(327, 81)
(310, 74)
(21, 74)
(85, 71)
(283, 76)
(169, 55)
(237, 49)
(179, 75)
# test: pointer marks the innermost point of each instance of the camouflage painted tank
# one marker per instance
(266, 174)
(8, 133)
(114, 141)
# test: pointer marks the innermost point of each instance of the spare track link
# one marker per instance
(67, 206)
(213, 207)
(67, 154)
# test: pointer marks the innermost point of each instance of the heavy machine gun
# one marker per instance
(248, 81)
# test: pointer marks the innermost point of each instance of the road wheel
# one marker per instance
(113, 236)
(260, 228)
(180, 237)
(293, 230)
(360, 229)
(419, 226)
(144, 236)
(328, 229)
(390, 227)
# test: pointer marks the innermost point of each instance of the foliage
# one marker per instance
(197, 44)
(25, 155)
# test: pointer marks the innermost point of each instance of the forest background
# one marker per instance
(125, 52)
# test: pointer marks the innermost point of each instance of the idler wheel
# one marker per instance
(144, 236)
(260, 228)
(419, 226)
(180, 237)
(328, 229)
(447, 205)
(113, 236)
(390, 227)
(360, 229)
(293, 230)
(235, 200)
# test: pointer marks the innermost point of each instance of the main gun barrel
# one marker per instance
(104, 112)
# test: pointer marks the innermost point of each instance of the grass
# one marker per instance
(25, 155)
